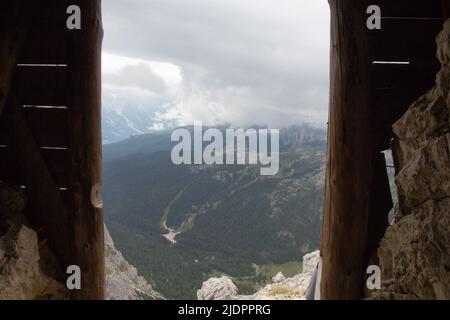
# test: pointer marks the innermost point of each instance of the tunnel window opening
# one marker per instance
(242, 71)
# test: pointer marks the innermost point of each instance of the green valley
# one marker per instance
(181, 224)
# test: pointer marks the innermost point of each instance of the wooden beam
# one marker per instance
(42, 86)
(84, 107)
(408, 8)
(15, 19)
(49, 127)
(445, 4)
(346, 209)
(40, 46)
(56, 160)
(48, 211)
(405, 40)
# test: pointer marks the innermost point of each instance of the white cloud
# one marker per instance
(221, 61)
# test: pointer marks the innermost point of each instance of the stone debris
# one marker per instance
(282, 288)
(221, 288)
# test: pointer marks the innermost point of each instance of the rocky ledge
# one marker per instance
(281, 288)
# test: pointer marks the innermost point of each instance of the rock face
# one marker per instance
(310, 261)
(27, 267)
(282, 288)
(122, 279)
(415, 252)
(279, 277)
(22, 276)
(218, 289)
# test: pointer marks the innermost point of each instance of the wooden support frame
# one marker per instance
(48, 211)
(348, 177)
(445, 8)
(72, 220)
(357, 197)
(15, 17)
(86, 216)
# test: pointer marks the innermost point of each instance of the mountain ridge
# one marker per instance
(227, 218)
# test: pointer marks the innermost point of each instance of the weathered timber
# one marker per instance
(409, 9)
(445, 5)
(45, 86)
(48, 211)
(404, 40)
(84, 106)
(15, 21)
(346, 208)
(49, 127)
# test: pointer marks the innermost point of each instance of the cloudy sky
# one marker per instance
(242, 62)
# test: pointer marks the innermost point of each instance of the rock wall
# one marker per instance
(22, 275)
(28, 269)
(415, 252)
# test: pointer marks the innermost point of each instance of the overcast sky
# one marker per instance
(242, 62)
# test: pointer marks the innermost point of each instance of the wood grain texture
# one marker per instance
(50, 127)
(408, 8)
(77, 234)
(57, 162)
(40, 46)
(404, 40)
(445, 5)
(48, 210)
(348, 177)
(85, 138)
(365, 100)
(15, 22)
(45, 86)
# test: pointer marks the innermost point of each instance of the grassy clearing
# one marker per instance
(289, 269)
(277, 291)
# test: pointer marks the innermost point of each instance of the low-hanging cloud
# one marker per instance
(139, 75)
(241, 62)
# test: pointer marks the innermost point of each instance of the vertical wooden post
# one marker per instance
(346, 208)
(86, 166)
(445, 8)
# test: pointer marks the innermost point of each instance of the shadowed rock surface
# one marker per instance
(415, 252)
(28, 269)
